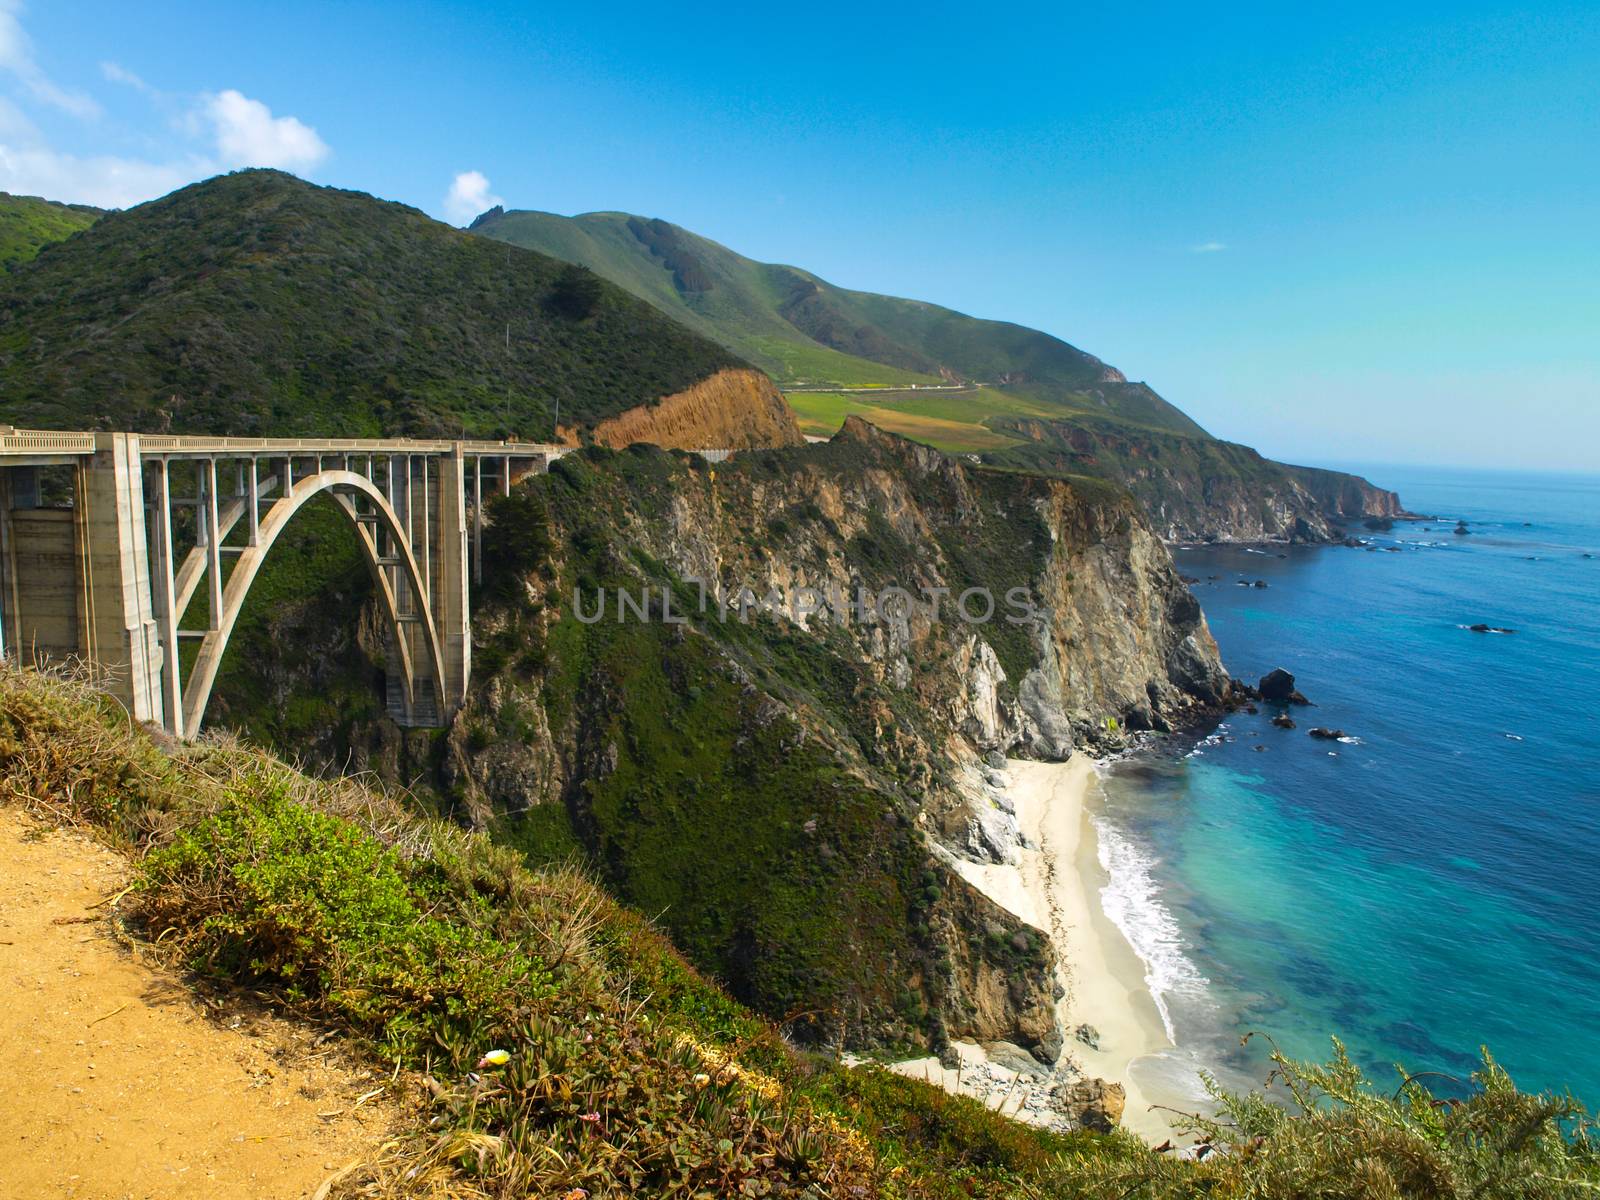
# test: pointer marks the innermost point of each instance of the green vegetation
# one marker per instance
(805, 330)
(791, 878)
(29, 224)
(626, 1073)
(257, 304)
(955, 422)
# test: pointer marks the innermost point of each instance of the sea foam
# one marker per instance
(1131, 900)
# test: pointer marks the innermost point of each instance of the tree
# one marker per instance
(576, 293)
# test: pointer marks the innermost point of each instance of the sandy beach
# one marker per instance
(1056, 887)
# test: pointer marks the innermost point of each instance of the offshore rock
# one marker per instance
(1277, 687)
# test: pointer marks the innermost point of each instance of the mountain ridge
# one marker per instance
(257, 303)
(1021, 398)
(801, 328)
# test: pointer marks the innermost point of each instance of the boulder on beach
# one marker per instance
(1095, 1104)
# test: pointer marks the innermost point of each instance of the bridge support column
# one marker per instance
(453, 616)
(116, 625)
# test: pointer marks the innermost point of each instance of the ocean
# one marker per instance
(1429, 885)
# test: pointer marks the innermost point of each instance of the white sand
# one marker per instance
(1056, 887)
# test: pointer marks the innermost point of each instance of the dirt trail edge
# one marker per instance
(117, 1087)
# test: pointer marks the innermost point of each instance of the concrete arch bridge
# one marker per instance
(155, 522)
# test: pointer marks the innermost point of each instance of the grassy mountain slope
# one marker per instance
(808, 331)
(29, 224)
(1022, 398)
(255, 303)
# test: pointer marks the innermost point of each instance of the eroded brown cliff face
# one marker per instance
(735, 409)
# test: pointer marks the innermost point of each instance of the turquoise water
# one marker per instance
(1431, 885)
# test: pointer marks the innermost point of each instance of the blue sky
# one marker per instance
(1361, 234)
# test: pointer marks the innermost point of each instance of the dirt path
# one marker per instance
(116, 1087)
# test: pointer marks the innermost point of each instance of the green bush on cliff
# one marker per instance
(266, 888)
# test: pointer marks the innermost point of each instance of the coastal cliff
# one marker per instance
(788, 786)
(1200, 489)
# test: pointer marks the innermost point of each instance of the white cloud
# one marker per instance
(117, 73)
(248, 135)
(103, 180)
(230, 130)
(1208, 248)
(242, 132)
(469, 195)
(16, 58)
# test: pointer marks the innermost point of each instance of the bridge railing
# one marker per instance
(27, 442)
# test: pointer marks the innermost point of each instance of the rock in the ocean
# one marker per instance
(1327, 735)
(1283, 721)
(1261, 583)
(1278, 687)
(1461, 529)
(1490, 629)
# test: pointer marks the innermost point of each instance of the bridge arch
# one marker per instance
(348, 488)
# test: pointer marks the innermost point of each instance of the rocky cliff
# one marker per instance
(1200, 489)
(818, 651)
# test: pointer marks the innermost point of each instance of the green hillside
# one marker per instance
(255, 303)
(808, 332)
(29, 224)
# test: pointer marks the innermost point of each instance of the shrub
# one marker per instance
(270, 890)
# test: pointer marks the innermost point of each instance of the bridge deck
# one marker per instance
(18, 446)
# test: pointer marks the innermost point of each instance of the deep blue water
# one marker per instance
(1433, 886)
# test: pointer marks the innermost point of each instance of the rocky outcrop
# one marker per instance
(735, 409)
(1195, 488)
(1349, 497)
(1000, 974)
(1277, 687)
